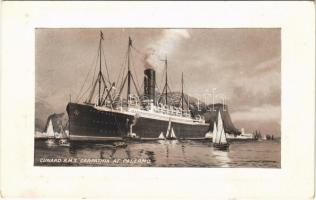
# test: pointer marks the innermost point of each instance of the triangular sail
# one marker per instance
(220, 136)
(219, 127)
(50, 130)
(173, 135)
(161, 136)
(168, 130)
(223, 138)
(214, 132)
(209, 135)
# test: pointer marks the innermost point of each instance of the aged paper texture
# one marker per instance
(139, 100)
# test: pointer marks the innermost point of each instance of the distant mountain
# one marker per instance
(210, 112)
(59, 122)
(42, 111)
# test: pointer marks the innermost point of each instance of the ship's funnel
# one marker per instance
(149, 83)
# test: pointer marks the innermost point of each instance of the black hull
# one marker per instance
(223, 147)
(88, 123)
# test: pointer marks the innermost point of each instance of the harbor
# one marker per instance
(161, 153)
(152, 103)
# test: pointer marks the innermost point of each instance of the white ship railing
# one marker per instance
(161, 112)
(165, 112)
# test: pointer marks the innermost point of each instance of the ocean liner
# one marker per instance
(105, 115)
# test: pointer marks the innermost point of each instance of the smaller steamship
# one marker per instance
(110, 117)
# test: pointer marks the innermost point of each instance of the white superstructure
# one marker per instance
(160, 112)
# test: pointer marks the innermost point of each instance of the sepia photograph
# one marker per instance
(157, 100)
(158, 97)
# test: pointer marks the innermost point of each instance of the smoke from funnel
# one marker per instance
(165, 46)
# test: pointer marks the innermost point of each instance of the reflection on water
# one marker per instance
(221, 157)
(161, 153)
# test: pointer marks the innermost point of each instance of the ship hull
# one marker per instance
(87, 123)
(223, 147)
(152, 128)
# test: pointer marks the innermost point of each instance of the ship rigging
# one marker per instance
(105, 115)
(109, 96)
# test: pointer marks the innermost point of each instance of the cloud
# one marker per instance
(268, 65)
(165, 46)
(260, 85)
(261, 113)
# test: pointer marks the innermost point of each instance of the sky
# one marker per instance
(242, 65)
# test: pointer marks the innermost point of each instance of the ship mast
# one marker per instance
(100, 72)
(182, 91)
(100, 78)
(165, 88)
(166, 65)
(129, 77)
(129, 70)
(182, 100)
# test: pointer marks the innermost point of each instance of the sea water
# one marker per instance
(160, 153)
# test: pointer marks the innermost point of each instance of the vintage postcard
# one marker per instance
(161, 97)
(158, 100)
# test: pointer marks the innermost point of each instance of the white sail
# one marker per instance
(242, 131)
(220, 136)
(173, 135)
(214, 132)
(208, 135)
(50, 130)
(161, 136)
(168, 130)
(223, 138)
(219, 127)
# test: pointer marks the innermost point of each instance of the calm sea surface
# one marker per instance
(187, 153)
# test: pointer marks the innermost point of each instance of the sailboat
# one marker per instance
(53, 137)
(172, 135)
(161, 136)
(170, 132)
(50, 133)
(220, 139)
(208, 135)
(214, 133)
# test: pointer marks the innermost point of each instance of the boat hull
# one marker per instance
(88, 123)
(223, 147)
